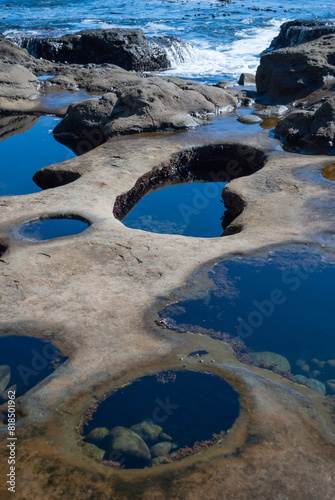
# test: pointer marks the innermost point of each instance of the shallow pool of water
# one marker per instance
(24, 362)
(279, 303)
(190, 209)
(27, 145)
(51, 228)
(177, 409)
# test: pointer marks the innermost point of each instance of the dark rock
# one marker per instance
(126, 48)
(293, 73)
(309, 129)
(247, 79)
(301, 31)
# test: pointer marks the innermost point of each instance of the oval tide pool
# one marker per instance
(158, 418)
(194, 209)
(48, 229)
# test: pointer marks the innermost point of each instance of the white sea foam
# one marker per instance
(224, 62)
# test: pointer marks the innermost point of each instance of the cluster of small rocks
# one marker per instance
(318, 375)
(143, 444)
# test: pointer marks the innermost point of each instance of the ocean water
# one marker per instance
(225, 38)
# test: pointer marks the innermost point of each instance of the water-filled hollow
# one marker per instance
(161, 418)
(24, 362)
(26, 146)
(47, 229)
(275, 309)
(187, 196)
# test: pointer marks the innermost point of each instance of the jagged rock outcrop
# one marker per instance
(295, 72)
(311, 128)
(127, 48)
(301, 31)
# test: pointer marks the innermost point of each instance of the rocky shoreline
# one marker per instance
(96, 295)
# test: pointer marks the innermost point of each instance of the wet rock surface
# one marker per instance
(310, 128)
(301, 31)
(144, 105)
(127, 48)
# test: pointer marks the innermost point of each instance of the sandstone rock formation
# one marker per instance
(144, 105)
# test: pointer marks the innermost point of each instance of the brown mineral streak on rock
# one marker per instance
(97, 294)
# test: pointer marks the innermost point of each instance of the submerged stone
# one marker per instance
(192, 407)
(95, 451)
(271, 358)
(161, 449)
(97, 435)
(130, 446)
(4, 377)
(312, 383)
(331, 386)
(147, 430)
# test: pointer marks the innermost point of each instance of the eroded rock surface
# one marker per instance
(145, 105)
(312, 128)
(293, 73)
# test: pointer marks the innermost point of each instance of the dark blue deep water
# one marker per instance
(189, 209)
(225, 38)
(51, 228)
(189, 406)
(280, 302)
(23, 154)
(28, 360)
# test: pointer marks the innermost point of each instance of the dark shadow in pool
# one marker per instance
(24, 362)
(217, 164)
(279, 305)
(3, 249)
(161, 417)
(48, 178)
